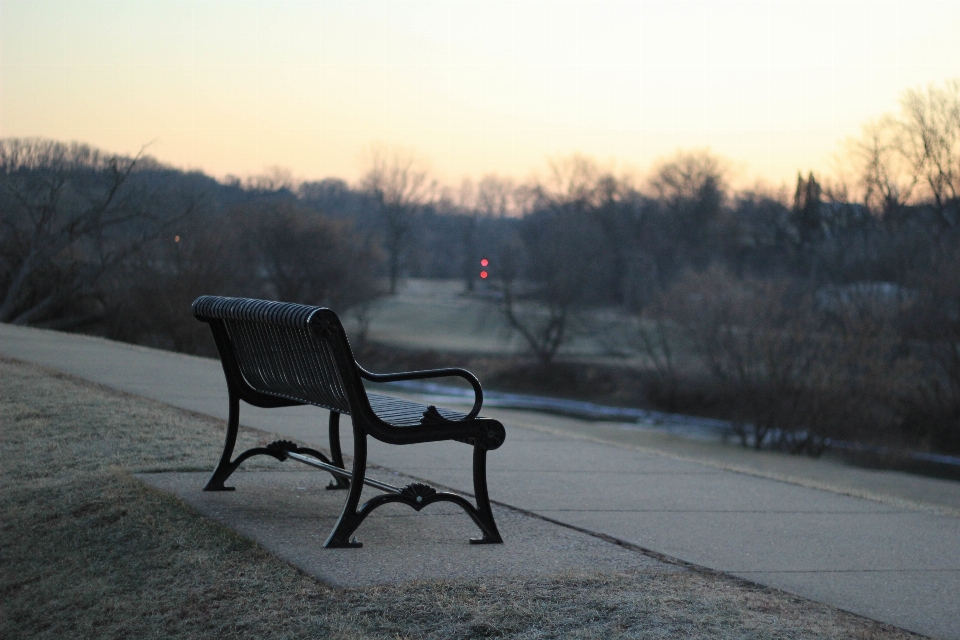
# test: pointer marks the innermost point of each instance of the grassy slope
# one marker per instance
(87, 551)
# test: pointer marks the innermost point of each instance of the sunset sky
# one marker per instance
(475, 87)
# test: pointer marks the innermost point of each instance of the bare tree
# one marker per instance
(400, 183)
(273, 178)
(574, 182)
(307, 257)
(653, 338)
(906, 159)
(575, 249)
(793, 375)
(542, 310)
(149, 296)
(691, 186)
(495, 196)
(463, 205)
(689, 176)
(70, 214)
(886, 180)
(930, 141)
(553, 253)
(557, 254)
(492, 197)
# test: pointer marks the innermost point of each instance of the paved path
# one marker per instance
(289, 513)
(877, 558)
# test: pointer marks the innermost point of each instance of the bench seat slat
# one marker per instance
(405, 413)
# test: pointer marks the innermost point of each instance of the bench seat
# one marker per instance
(406, 413)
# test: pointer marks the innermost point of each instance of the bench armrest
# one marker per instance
(431, 373)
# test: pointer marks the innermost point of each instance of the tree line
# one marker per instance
(828, 313)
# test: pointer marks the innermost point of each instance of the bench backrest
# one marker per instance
(291, 351)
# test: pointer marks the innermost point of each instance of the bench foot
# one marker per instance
(214, 485)
(352, 543)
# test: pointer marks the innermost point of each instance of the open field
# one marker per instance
(433, 314)
(88, 551)
(433, 323)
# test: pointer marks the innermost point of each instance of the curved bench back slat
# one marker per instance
(288, 362)
(284, 349)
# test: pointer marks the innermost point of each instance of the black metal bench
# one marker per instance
(278, 354)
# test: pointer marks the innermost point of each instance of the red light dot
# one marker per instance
(484, 262)
(483, 274)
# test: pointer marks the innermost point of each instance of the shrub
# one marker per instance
(789, 374)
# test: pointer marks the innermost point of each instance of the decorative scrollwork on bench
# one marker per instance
(418, 492)
(432, 417)
(281, 447)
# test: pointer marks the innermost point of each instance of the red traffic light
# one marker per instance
(484, 262)
(484, 274)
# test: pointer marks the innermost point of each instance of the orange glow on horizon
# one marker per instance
(473, 87)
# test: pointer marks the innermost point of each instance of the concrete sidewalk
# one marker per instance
(892, 558)
(289, 513)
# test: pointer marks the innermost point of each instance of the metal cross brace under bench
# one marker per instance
(343, 473)
(416, 494)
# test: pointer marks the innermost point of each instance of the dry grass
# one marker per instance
(87, 551)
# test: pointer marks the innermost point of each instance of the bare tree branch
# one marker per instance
(401, 185)
(74, 214)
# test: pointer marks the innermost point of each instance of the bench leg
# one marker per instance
(276, 450)
(349, 518)
(416, 495)
(484, 518)
(225, 468)
(335, 453)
